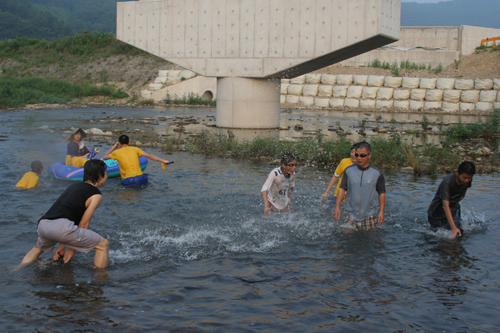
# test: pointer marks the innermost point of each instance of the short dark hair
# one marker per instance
(36, 166)
(365, 145)
(287, 158)
(123, 139)
(467, 167)
(93, 169)
(355, 146)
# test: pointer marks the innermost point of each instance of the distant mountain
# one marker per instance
(18, 18)
(91, 15)
(49, 19)
(482, 13)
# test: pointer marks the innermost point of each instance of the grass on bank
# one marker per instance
(96, 57)
(487, 129)
(189, 99)
(83, 46)
(405, 65)
(388, 154)
(17, 92)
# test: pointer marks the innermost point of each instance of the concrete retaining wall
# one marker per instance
(355, 91)
(169, 81)
(364, 92)
(454, 41)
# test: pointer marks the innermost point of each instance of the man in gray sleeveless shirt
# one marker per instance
(363, 187)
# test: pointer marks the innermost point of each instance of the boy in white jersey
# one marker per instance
(277, 189)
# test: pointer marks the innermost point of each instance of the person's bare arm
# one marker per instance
(449, 217)
(267, 205)
(107, 156)
(381, 201)
(154, 158)
(332, 182)
(340, 197)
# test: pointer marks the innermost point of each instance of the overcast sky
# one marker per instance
(424, 1)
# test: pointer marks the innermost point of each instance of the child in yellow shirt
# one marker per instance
(339, 173)
(30, 178)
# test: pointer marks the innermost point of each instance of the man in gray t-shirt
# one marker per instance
(363, 187)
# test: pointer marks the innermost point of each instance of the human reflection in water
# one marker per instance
(71, 302)
(448, 279)
(356, 255)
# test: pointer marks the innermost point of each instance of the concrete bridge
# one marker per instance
(249, 45)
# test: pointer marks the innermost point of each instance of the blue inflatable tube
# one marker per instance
(62, 171)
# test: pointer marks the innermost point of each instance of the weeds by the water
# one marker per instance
(190, 99)
(487, 129)
(147, 102)
(390, 153)
(393, 153)
(17, 92)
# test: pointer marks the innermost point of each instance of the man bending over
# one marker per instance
(444, 210)
(68, 219)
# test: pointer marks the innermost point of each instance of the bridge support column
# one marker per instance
(248, 103)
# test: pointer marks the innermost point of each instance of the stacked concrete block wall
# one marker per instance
(369, 91)
(167, 78)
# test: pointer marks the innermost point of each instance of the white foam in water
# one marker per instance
(471, 222)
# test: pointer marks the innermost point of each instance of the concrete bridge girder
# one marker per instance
(257, 39)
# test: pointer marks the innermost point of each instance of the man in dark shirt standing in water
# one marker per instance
(444, 210)
(68, 219)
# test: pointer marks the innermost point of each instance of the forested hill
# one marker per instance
(49, 19)
(91, 15)
(482, 13)
(19, 18)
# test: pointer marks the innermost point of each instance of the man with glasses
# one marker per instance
(365, 197)
(277, 189)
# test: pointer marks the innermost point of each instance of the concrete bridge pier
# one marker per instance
(246, 43)
(248, 103)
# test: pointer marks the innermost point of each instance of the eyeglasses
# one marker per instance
(291, 165)
(360, 155)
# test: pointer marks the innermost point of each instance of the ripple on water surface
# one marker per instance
(193, 249)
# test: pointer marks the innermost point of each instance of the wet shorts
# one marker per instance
(135, 181)
(369, 223)
(64, 231)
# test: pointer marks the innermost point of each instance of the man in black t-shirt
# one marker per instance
(67, 221)
(444, 210)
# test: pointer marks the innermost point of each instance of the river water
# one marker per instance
(193, 252)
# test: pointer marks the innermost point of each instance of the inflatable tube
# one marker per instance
(62, 171)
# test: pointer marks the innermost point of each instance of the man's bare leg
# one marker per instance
(102, 253)
(32, 255)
